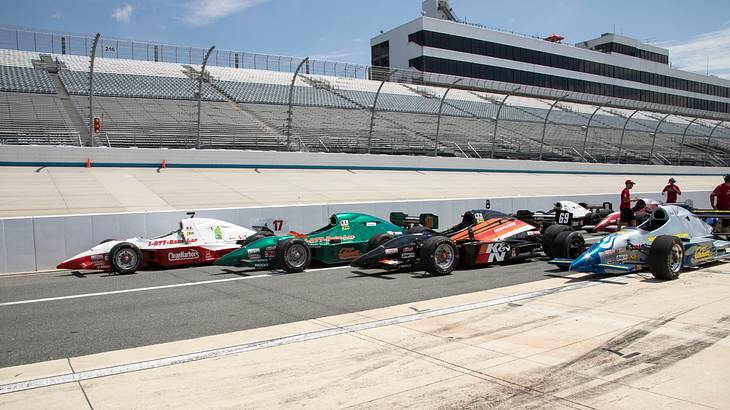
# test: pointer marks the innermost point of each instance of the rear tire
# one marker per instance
(568, 245)
(666, 257)
(439, 255)
(548, 237)
(592, 218)
(293, 255)
(125, 258)
(377, 240)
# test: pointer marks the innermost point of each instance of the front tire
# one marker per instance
(293, 255)
(548, 237)
(568, 245)
(125, 258)
(439, 255)
(666, 257)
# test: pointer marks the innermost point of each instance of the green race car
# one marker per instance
(347, 236)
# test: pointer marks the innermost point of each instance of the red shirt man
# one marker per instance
(672, 191)
(720, 197)
(627, 214)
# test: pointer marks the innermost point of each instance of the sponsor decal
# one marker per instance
(218, 233)
(345, 225)
(370, 223)
(208, 255)
(633, 257)
(678, 235)
(96, 258)
(504, 227)
(324, 240)
(408, 249)
(390, 251)
(254, 250)
(348, 253)
(622, 257)
(184, 255)
(479, 217)
(497, 251)
(702, 253)
(408, 255)
(163, 242)
(254, 256)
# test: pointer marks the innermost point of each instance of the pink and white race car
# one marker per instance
(641, 210)
(196, 241)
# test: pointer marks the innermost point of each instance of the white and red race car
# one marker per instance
(196, 241)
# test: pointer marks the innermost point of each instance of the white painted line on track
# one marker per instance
(117, 292)
(134, 290)
(263, 344)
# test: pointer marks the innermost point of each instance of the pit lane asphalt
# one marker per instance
(53, 329)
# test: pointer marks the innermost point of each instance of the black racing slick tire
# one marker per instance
(125, 258)
(255, 237)
(439, 255)
(293, 255)
(592, 218)
(377, 240)
(568, 245)
(666, 257)
(548, 237)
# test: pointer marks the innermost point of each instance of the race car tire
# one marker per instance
(125, 258)
(439, 255)
(377, 240)
(548, 237)
(293, 255)
(568, 245)
(417, 229)
(592, 218)
(603, 212)
(666, 257)
(255, 237)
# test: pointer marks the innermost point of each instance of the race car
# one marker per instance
(196, 241)
(671, 239)
(642, 210)
(345, 238)
(576, 215)
(482, 237)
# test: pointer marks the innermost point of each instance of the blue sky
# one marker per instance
(340, 30)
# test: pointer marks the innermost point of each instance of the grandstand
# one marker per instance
(336, 107)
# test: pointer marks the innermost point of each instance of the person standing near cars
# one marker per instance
(720, 200)
(672, 191)
(627, 214)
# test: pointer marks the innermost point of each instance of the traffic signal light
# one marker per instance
(97, 125)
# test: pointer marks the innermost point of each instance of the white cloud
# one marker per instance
(123, 14)
(692, 54)
(57, 15)
(204, 12)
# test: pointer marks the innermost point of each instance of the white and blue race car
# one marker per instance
(670, 240)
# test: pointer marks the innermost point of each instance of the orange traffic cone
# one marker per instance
(88, 163)
(164, 164)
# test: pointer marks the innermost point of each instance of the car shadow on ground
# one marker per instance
(388, 275)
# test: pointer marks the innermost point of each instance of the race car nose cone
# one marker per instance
(369, 258)
(586, 262)
(231, 259)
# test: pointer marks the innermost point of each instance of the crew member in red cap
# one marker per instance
(671, 191)
(627, 214)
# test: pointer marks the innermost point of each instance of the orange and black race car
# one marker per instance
(482, 237)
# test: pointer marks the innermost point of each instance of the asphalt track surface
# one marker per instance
(67, 314)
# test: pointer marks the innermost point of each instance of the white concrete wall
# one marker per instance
(40, 243)
(121, 157)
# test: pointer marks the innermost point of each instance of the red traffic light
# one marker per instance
(97, 125)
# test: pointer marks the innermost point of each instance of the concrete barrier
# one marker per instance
(48, 156)
(40, 243)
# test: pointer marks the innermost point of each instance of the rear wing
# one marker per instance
(711, 213)
(430, 221)
(593, 207)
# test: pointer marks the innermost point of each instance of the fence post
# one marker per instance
(291, 96)
(623, 132)
(544, 125)
(438, 120)
(200, 90)
(588, 126)
(91, 89)
(709, 138)
(681, 144)
(372, 113)
(653, 141)
(496, 119)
